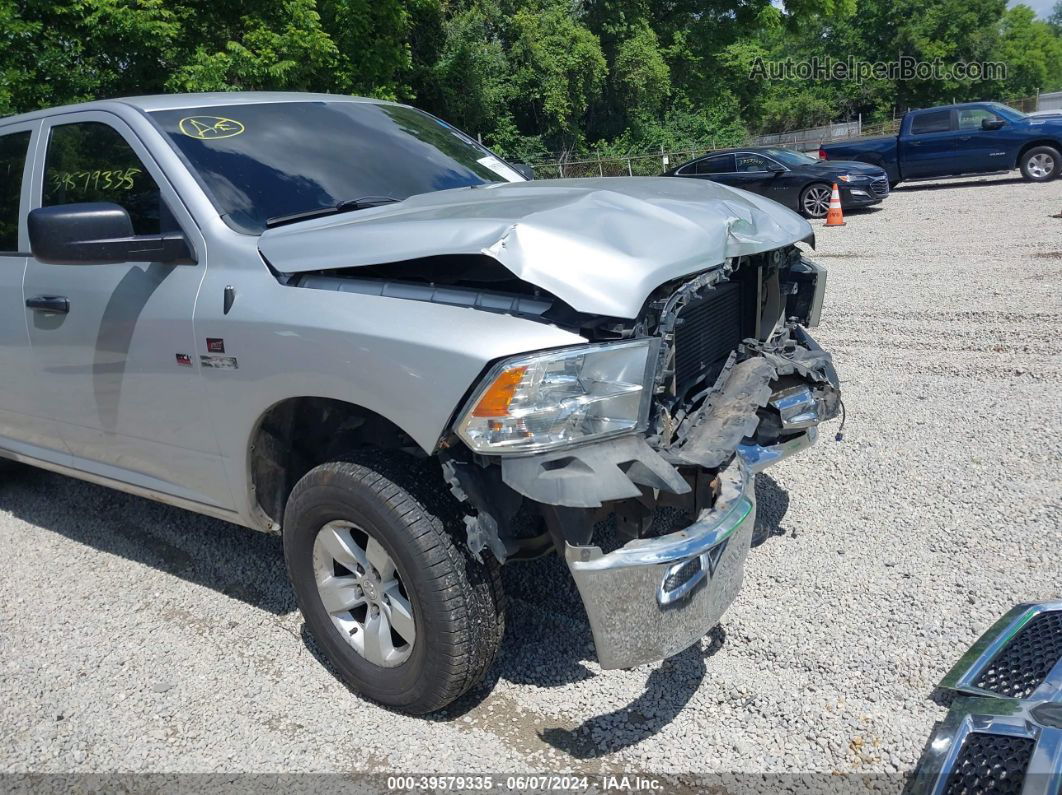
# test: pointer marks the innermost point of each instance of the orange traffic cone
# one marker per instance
(834, 216)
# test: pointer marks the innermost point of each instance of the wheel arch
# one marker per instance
(295, 434)
(1053, 143)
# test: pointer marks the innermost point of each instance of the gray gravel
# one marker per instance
(136, 637)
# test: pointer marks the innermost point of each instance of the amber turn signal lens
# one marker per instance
(495, 401)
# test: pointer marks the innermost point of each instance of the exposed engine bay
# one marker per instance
(735, 366)
(729, 383)
(735, 369)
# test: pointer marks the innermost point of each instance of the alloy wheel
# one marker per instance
(362, 591)
(1041, 166)
(817, 201)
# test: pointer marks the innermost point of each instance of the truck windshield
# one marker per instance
(266, 160)
(1006, 111)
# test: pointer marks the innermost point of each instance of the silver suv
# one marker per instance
(345, 321)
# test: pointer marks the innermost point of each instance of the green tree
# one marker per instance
(558, 69)
(55, 52)
(470, 80)
(254, 46)
(531, 76)
(1054, 19)
(372, 38)
(640, 74)
(1032, 53)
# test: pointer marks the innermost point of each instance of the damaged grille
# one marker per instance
(990, 763)
(1025, 662)
(707, 331)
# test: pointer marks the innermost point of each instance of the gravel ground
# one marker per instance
(136, 637)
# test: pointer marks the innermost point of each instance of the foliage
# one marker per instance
(1032, 50)
(557, 69)
(533, 77)
(1054, 19)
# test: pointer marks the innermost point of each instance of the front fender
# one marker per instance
(410, 362)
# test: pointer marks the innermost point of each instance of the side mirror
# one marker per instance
(524, 170)
(774, 168)
(992, 124)
(98, 232)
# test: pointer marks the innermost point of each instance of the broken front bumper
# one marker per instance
(654, 597)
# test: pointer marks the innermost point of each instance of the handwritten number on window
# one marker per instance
(110, 179)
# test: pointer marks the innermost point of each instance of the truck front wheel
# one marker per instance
(1040, 164)
(406, 614)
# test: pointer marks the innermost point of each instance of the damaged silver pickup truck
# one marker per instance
(345, 321)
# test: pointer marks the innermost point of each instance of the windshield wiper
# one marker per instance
(345, 206)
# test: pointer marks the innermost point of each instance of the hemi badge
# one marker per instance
(184, 360)
(219, 362)
(215, 345)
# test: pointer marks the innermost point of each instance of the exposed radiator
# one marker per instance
(707, 331)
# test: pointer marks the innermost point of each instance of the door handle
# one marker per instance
(53, 304)
(965, 137)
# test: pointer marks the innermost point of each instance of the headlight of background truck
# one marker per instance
(558, 398)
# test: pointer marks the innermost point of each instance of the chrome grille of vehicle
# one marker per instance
(1006, 733)
(707, 331)
(1023, 664)
(879, 186)
(992, 764)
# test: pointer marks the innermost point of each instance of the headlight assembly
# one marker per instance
(853, 177)
(559, 398)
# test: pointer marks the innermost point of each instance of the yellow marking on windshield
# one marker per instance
(209, 128)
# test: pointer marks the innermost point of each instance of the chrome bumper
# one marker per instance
(757, 457)
(655, 597)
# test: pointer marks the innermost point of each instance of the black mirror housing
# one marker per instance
(99, 232)
(991, 124)
(774, 168)
(525, 170)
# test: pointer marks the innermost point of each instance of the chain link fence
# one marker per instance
(644, 165)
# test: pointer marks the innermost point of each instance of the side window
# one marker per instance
(90, 162)
(936, 121)
(720, 164)
(746, 161)
(971, 118)
(13, 148)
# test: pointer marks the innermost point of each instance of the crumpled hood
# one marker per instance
(600, 245)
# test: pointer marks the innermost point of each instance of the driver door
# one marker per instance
(980, 149)
(113, 342)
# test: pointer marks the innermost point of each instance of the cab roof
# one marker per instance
(153, 102)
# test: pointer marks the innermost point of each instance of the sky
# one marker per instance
(1041, 7)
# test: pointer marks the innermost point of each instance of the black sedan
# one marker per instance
(790, 177)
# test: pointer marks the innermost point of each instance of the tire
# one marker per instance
(811, 205)
(455, 598)
(1041, 164)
